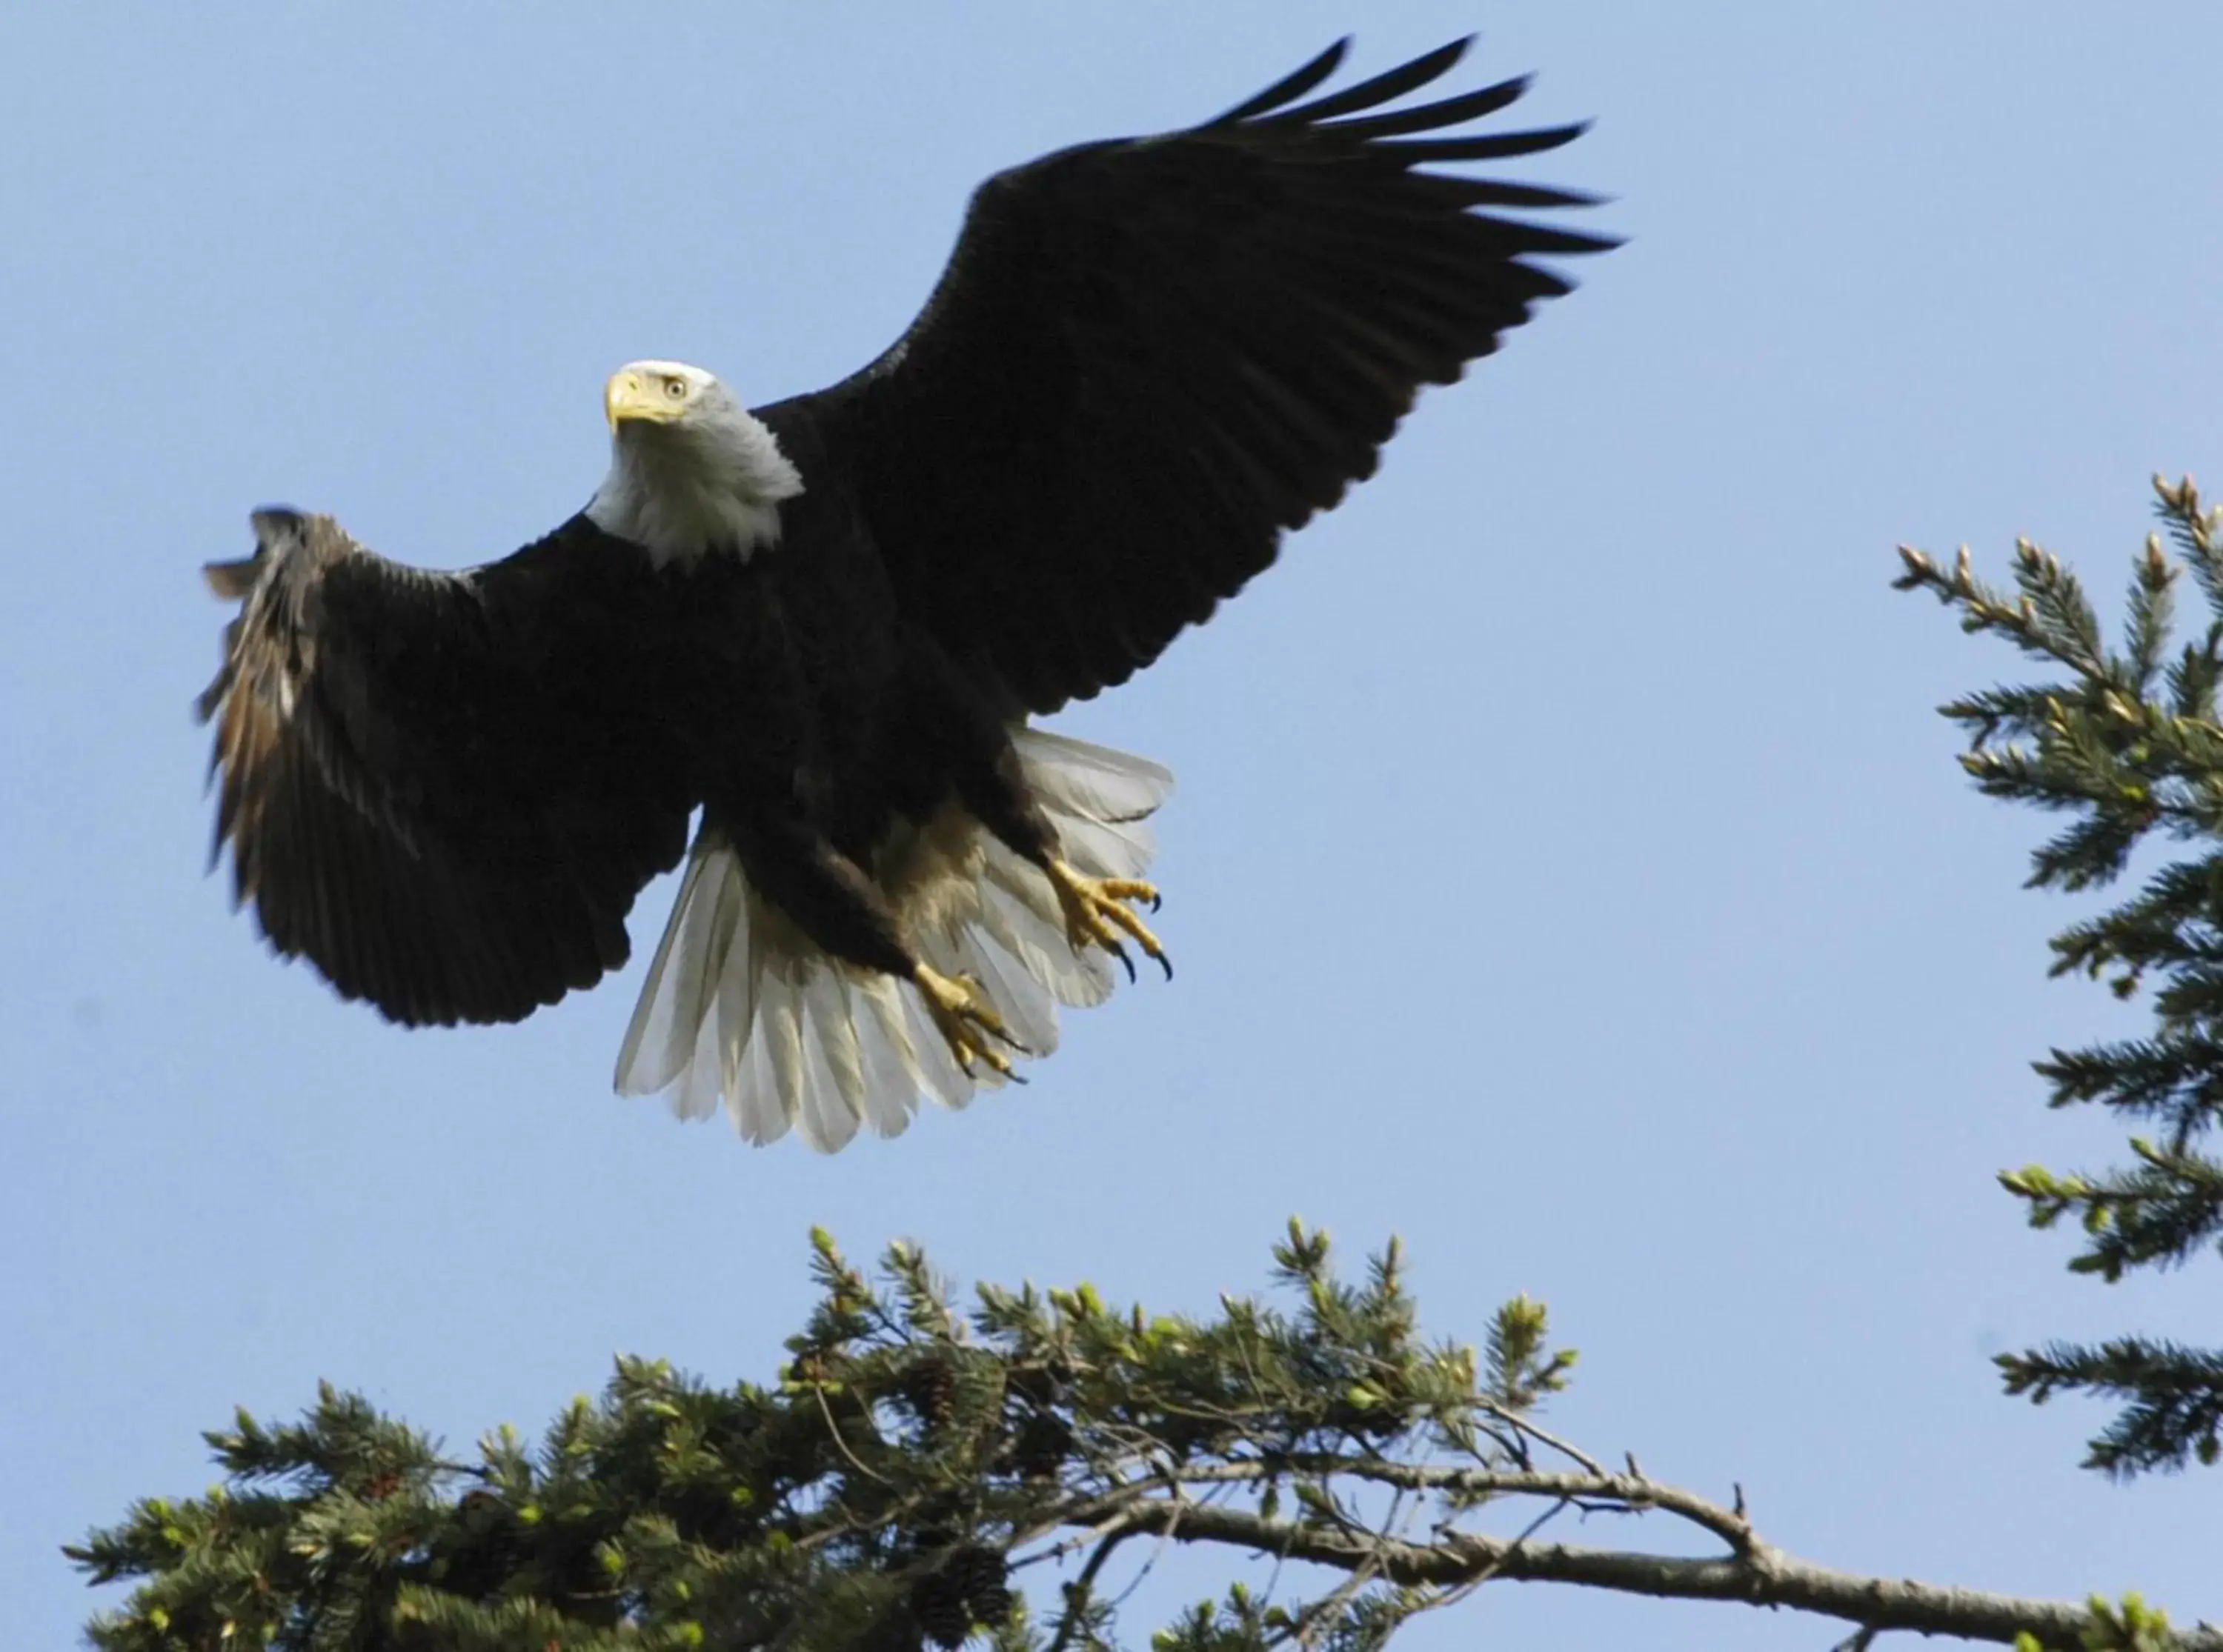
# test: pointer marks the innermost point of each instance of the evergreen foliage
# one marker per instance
(912, 1470)
(909, 1466)
(2125, 742)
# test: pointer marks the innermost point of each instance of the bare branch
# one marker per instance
(1760, 1575)
(1634, 1492)
(1082, 1589)
(833, 1432)
(1543, 1436)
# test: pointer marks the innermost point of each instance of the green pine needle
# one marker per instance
(2126, 744)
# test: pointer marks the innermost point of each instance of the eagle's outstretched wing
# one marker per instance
(1149, 358)
(444, 789)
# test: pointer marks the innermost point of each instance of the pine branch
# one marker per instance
(2128, 745)
(907, 1466)
(2175, 1394)
(1763, 1577)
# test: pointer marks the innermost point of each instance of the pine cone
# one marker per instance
(971, 1585)
(993, 1606)
(938, 1601)
(1040, 1450)
(982, 1573)
(931, 1389)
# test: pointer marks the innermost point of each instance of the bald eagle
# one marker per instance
(826, 624)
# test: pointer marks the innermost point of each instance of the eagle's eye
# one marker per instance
(675, 388)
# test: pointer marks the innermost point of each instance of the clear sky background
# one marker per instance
(1568, 874)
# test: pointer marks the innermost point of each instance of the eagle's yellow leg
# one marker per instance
(1096, 915)
(963, 1015)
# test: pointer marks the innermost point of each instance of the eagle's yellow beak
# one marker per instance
(632, 395)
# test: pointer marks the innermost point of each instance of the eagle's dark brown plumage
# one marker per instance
(825, 623)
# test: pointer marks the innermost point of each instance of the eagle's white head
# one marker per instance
(691, 470)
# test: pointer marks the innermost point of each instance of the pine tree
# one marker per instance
(2127, 745)
(917, 1477)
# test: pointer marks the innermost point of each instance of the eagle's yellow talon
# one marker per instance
(1096, 914)
(965, 1018)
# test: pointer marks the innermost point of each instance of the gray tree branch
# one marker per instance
(1754, 1571)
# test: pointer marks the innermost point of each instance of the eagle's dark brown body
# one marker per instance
(1147, 361)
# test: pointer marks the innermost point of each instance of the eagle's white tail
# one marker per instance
(739, 1005)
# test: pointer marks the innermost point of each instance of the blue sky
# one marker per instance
(1568, 872)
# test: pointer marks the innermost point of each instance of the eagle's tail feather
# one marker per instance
(740, 1007)
(674, 1014)
(1099, 799)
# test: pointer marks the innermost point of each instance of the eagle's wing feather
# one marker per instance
(1148, 359)
(444, 789)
